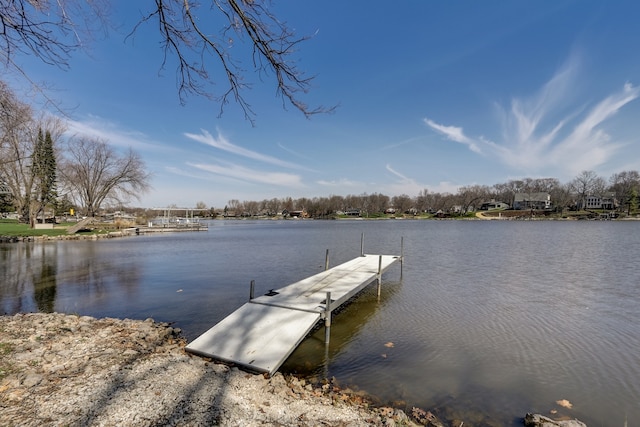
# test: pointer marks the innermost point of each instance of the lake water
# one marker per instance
(489, 320)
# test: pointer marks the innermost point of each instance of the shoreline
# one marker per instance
(60, 369)
(146, 231)
(71, 370)
(140, 230)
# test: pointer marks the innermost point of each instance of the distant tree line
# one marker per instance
(622, 187)
(42, 171)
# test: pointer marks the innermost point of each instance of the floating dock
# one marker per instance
(262, 333)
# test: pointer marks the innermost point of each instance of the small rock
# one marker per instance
(537, 420)
(32, 379)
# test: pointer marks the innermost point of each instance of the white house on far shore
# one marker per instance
(607, 201)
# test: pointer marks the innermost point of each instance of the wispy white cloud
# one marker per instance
(111, 133)
(342, 182)
(242, 173)
(550, 130)
(454, 134)
(402, 177)
(402, 184)
(444, 187)
(401, 143)
(222, 143)
(191, 173)
(290, 151)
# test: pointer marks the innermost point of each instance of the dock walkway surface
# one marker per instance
(262, 333)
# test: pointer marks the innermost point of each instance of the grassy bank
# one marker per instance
(12, 228)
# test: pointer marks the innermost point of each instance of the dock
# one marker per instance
(262, 333)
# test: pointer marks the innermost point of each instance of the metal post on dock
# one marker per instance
(326, 261)
(327, 319)
(362, 244)
(251, 289)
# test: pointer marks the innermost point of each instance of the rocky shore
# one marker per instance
(68, 370)
(44, 238)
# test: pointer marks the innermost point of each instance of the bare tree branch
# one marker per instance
(50, 30)
(53, 30)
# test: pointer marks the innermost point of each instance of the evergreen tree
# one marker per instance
(6, 203)
(44, 171)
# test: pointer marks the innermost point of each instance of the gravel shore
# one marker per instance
(68, 370)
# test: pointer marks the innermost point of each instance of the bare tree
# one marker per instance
(15, 168)
(378, 202)
(402, 203)
(271, 207)
(251, 207)
(472, 196)
(625, 186)
(17, 142)
(233, 207)
(15, 118)
(53, 30)
(506, 192)
(94, 173)
(561, 197)
(544, 185)
(587, 183)
(422, 200)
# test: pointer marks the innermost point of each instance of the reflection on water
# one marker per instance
(45, 282)
(490, 320)
(313, 358)
(64, 276)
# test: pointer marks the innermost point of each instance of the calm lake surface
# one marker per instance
(489, 320)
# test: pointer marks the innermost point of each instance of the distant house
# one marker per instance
(487, 206)
(537, 201)
(607, 201)
(294, 214)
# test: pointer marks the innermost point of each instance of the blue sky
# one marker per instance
(431, 95)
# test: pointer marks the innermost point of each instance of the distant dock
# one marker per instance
(169, 221)
(262, 333)
(172, 228)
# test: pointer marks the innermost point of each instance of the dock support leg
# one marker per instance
(401, 255)
(362, 244)
(379, 274)
(327, 319)
(326, 261)
(251, 289)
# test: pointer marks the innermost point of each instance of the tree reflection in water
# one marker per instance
(45, 282)
(65, 276)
